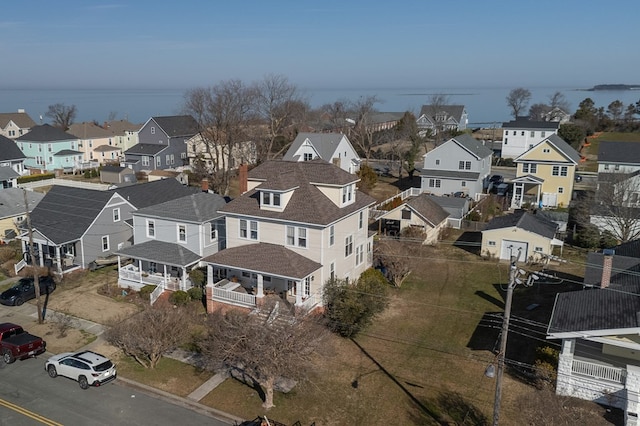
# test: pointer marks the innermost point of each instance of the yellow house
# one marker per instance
(545, 174)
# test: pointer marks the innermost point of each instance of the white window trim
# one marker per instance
(151, 223)
(116, 214)
(105, 239)
(332, 235)
(178, 227)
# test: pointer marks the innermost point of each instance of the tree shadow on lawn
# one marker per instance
(452, 408)
(469, 241)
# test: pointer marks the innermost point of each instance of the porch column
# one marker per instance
(632, 386)
(58, 259)
(41, 254)
(298, 292)
(260, 289)
(183, 279)
(209, 274)
(164, 275)
(564, 385)
(538, 199)
(140, 271)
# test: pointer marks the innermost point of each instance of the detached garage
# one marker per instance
(521, 232)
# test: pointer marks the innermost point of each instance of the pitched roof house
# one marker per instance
(599, 329)
(545, 174)
(13, 210)
(162, 143)
(49, 148)
(421, 212)
(522, 134)
(123, 132)
(11, 163)
(438, 118)
(461, 164)
(73, 227)
(15, 124)
(96, 143)
(297, 225)
(331, 147)
(529, 234)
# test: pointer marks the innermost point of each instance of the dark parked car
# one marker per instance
(25, 290)
(496, 179)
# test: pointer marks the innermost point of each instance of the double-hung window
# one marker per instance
(555, 171)
(105, 243)
(296, 236)
(332, 235)
(348, 246)
(248, 229)
(151, 228)
(116, 214)
(182, 233)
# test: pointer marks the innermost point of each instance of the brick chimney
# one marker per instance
(243, 174)
(607, 266)
(204, 185)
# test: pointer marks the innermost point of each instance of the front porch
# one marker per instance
(60, 258)
(132, 276)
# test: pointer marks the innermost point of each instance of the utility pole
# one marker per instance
(513, 272)
(34, 265)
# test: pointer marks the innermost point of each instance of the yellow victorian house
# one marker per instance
(545, 174)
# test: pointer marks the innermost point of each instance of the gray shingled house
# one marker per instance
(161, 143)
(331, 147)
(599, 328)
(11, 163)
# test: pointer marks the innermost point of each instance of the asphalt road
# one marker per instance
(28, 396)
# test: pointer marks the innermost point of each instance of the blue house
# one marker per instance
(48, 148)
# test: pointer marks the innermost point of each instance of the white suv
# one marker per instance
(87, 368)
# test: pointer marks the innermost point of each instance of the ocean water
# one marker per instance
(486, 106)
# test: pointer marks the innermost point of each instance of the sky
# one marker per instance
(327, 44)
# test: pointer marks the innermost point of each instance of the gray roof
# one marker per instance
(307, 204)
(88, 130)
(7, 173)
(473, 145)
(146, 149)
(385, 117)
(120, 127)
(46, 133)
(619, 152)
(324, 143)
(113, 169)
(454, 111)
(178, 125)
(270, 259)
(147, 194)
(564, 147)
(450, 174)
(197, 208)
(161, 252)
(524, 220)
(12, 201)
(9, 150)
(428, 209)
(106, 148)
(67, 152)
(21, 119)
(65, 213)
(526, 124)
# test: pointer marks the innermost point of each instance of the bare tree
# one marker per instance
(337, 114)
(518, 100)
(279, 104)
(362, 133)
(263, 350)
(558, 100)
(61, 115)
(617, 205)
(148, 335)
(394, 257)
(539, 112)
(223, 113)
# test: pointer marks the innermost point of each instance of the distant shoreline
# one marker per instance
(614, 87)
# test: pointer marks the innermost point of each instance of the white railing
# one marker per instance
(18, 266)
(411, 192)
(312, 301)
(65, 182)
(604, 372)
(155, 294)
(234, 297)
(140, 279)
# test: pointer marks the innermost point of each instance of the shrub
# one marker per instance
(197, 276)
(145, 292)
(195, 293)
(546, 366)
(62, 323)
(35, 178)
(179, 297)
(414, 233)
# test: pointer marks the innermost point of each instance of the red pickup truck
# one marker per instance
(15, 343)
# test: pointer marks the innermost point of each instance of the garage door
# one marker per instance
(511, 247)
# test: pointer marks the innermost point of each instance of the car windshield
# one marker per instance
(104, 366)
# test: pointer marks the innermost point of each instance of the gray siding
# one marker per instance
(118, 232)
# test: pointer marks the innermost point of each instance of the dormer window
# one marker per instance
(308, 156)
(347, 194)
(270, 199)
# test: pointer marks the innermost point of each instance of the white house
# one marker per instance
(439, 118)
(520, 135)
(331, 147)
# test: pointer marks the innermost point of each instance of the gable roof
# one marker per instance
(525, 124)
(12, 201)
(7, 173)
(120, 127)
(473, 145)
(147, 194)
(21, 119)
(454, 111)
(325, 144)
(198, 208)
(526, 221)
(65, 213)
(619, 152)
(271, 259)
(161, 252)
(146, 149)
(178, 125)
(429, 210)
(9, 150)
(46, 133)
(564, 148)
(308, 204)
(88, 130)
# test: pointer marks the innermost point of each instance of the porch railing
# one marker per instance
(604, 372)
(18, 266)
(234, 297)
(168, 283)
(155, 294)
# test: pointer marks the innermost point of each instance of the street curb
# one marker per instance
(178, 400)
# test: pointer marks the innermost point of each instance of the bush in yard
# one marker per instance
(195, 293)
(145, 292)
(546, 366)
(351, 307)
(179, 297)
(197, 277)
